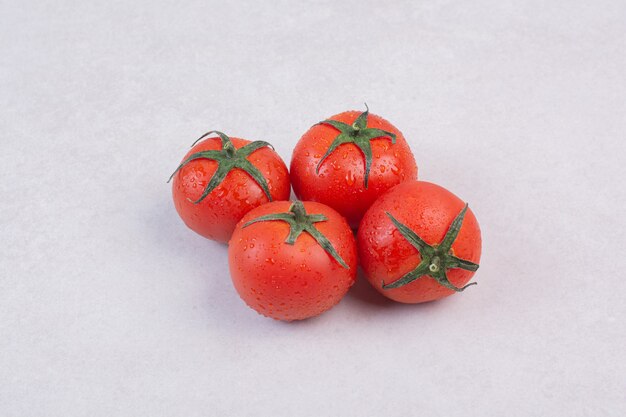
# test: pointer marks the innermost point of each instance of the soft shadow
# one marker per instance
(362, 291)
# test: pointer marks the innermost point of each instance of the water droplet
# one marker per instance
(270, 261)
(395, 169)
(383, 168)
(345, 155)
(317, 155)
(307, 153)
(251, 245)
(350, 178)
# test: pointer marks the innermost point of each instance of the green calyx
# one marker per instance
(228, 158)
(299, 221)
(437, 259)
(359, 134)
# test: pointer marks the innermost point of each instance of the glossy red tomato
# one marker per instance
(419, 242)
(222, 178)
(349, 160)
(291, 261)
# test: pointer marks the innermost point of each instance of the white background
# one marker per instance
(109, 306)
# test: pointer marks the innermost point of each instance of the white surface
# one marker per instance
(109, 306)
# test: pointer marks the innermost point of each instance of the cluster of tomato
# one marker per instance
(416, 241)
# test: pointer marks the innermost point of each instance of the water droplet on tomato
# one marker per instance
(383, 168)
(395, 169)
(270, 261)
(349, 178)
(251, 245)
(344, 155)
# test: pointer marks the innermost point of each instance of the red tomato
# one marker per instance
(290, 261)
(212, 197)
(331, 162)
(419, 242)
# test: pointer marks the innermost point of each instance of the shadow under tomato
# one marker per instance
(363, 292)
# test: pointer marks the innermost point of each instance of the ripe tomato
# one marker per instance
(349, 160)
(419, 242)
(221, 179)
(290, 261)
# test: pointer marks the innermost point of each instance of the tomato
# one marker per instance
(349, 160)
(290, 261)
(221, 179)
(419, 242)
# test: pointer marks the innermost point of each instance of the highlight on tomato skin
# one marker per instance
(246, 179)
(292, 281)
(419, 242)
(330, 162)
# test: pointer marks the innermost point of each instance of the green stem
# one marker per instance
(358, 134)
(300, 221)
(228, 158)
(436, 259)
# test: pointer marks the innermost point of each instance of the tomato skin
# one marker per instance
(215, 217)
(428, 210)
(340, 182)
(291, 282)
